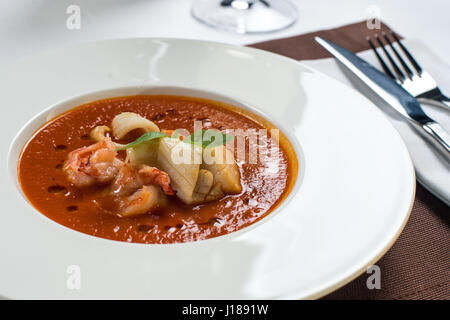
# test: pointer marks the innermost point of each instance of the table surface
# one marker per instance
(29, 26)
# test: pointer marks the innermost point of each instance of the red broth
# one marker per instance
(45, 185)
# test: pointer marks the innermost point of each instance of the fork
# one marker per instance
(420, 83)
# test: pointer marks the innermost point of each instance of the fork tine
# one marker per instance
(400, 75)
(404, 65)
(380, 60)
(408, 55)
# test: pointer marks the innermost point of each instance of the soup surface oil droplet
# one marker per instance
(60, 147)
(57, 189)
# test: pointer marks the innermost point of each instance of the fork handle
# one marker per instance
(444, 99)
(440, 101)
(439, 136)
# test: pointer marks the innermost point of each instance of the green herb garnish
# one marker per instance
(144, 138)
(203, 138)
(209, 138)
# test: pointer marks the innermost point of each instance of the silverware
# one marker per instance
(393, 94)
(417, 82)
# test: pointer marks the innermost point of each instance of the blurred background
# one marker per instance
(28, 26)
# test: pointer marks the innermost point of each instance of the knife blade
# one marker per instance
(393, 94)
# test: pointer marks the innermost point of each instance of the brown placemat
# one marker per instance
(418, 264)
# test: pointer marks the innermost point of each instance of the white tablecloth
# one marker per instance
(28, 26)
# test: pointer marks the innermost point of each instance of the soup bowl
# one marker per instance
(348, 206)
(62, 107)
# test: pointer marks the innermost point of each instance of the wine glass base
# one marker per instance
(245, 16)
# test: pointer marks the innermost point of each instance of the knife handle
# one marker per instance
(439, 136)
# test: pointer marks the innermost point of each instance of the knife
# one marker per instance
(393, 94)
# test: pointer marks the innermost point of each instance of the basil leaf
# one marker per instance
(144, 138)
(203, 138)
(214, 138)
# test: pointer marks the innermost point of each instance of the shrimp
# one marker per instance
(130, 178)
(94, 164)
(137, 191)
(132, 189)
(152, 175)
(126, 181)
(142, 201)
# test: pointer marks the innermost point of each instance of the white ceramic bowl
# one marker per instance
(357, 185)
(51, 112)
